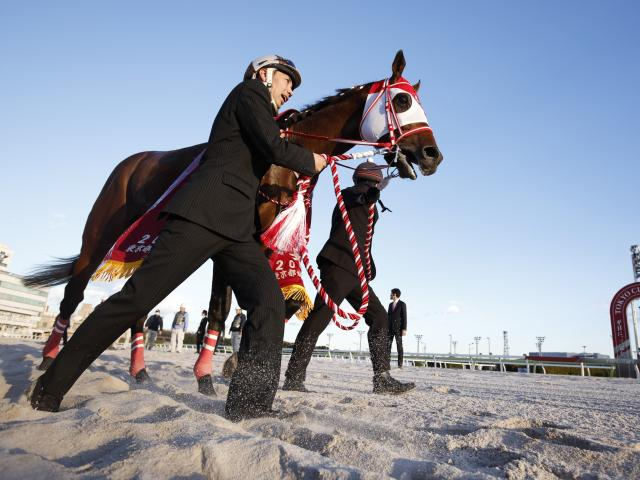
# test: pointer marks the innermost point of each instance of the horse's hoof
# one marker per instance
(205, 386)
(142, 376)
(46, 363)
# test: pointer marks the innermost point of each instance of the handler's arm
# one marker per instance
(254, 117)
(352, 199)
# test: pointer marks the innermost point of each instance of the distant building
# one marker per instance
(21, 308)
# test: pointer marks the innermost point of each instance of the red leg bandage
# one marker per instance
(204, 364)
(137, 354)
(52, 347)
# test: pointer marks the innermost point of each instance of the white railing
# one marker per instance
(495, 363)
(485, 362)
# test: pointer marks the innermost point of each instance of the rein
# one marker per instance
(290, 133)
(273, 200)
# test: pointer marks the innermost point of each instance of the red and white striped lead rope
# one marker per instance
(304, 188)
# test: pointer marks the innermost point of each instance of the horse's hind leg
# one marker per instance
(83, 268)
(94, 249)
(219, 306)
(137, 368)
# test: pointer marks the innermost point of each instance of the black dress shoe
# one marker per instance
(205, 386)
(384, 383)
(142, 376)
(250, 413)
(294, 386)
(45, 402)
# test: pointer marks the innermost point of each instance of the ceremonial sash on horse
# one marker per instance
(132, 247)
(136, 242)
(286, 267)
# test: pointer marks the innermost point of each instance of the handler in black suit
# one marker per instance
(212, 216)
(397, 322)
(340, 279)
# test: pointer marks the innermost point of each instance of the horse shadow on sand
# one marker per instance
(192, 400)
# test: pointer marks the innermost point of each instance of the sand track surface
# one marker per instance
(455, 425)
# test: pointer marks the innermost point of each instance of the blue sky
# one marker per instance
(526, 226)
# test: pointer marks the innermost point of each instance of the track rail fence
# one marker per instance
(434, 360)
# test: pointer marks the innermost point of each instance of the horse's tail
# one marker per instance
(56, 273)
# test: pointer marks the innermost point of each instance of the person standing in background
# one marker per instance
(154, 326)
(237, 324)
(179, 326)
(202, 329)
(397, 323)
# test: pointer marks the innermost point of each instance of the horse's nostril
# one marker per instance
(430, 152)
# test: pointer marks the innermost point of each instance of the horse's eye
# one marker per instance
(403, 101)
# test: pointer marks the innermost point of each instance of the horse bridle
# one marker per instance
(391, 146)
(391, 117)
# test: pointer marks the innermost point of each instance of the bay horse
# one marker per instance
(138, 181)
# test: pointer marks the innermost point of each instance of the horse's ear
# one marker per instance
(397, 66)
(416, 87)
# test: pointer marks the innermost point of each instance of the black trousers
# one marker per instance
(199, 342)
(181, 248)
(340, 284)
(397, 334)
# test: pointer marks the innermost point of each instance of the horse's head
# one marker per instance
(393, 113)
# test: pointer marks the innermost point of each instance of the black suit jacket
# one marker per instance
(398, 317)
(337, 249)
(245, 140)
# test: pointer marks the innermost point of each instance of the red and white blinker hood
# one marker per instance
(375, 124)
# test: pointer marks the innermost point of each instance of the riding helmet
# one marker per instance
(279, 63)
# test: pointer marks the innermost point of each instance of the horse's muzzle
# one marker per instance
(429, 160)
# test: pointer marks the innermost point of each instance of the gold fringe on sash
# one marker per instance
(299, 293)
(113, 270)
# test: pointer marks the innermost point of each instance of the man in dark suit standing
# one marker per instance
(211, 217)
(397, 322)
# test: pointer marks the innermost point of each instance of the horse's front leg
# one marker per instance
(219, 307)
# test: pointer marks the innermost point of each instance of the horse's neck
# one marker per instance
(339, 120)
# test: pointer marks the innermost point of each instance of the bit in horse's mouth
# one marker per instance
(403, 164)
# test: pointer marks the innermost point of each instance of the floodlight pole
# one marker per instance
(418, 338)
(539, 342)
(455, 344)
(477, 340)
(329, 335)
(360, 332)
(635, 262)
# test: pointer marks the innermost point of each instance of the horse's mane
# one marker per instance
(340, 95)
